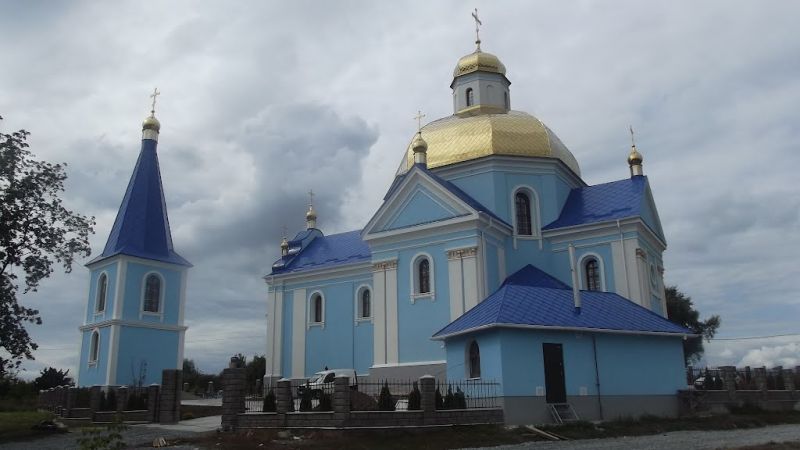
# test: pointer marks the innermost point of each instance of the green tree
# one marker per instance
(36, 232)
(680, 310)
(254, 370)
(52, 377)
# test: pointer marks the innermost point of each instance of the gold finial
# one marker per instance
(419, 118)
(284, 243)
(153, 106)
(634, 157)
(311, 215)
(478, 23)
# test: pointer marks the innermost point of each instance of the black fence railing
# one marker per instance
(710, 379)
(137, 398)
(386, 395)
(467, 394)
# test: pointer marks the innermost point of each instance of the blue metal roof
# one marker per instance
(141, 228)
(609, 201)
(530, 297)
(325, 251)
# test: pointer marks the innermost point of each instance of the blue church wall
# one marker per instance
(158, 347)
(363, 348)
(134, 285)
(326, 345)
(421, 208)
(492, 270)
(627, 364)
(89, 375)
(91, 313)
(490, 352)
(419, 320)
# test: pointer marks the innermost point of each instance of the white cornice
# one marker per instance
(136, 259)
(129, 323)
(604, 228)
(519, 164)
(557, 328)
(323, 273)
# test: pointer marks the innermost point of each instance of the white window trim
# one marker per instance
(536, 221)
(93, 362)
(414, 294)
(161, 294)
(582, 270)
(97, 311)
(310, 308)
(361, 288)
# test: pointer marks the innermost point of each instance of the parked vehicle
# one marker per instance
(323, 381)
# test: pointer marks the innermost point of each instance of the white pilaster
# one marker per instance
(379, 314)
(456, 284)
(465, 282)
(299, 333)
(122, 269)
(274, 332)
(392, 333)
(473, 282)
(620, 269)
(113, 350)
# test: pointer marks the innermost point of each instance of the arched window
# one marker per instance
(366, 304)
(522, 207)
(94, 347)
(152, 293)
(474, 362)
(470, 97)
(102, 288)
(591, 269)
(424, 276)
(317, 311)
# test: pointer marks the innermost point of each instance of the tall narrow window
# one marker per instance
(505, 100)
(152, 293)
(424, 276)
(522, 205)
(470, 97)
(102, 288)
(366, 304)
(94, 347)
(316, 304)
(474, 360)
(592, 271)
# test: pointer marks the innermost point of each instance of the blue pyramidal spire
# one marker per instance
(142, 226)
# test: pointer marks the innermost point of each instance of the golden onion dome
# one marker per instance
(151, 123)
(456, 139)
(635, 158)
(419, 144)
(479, 60)
(311, 214)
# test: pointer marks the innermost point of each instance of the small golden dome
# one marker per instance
(635, 158)
(455, 139)
(151, 123)
(419, 144)
(311, 214)
(284, 243)
(479, 60)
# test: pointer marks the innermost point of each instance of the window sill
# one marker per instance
(427, 296)
(92, 364)
(363, 320)
(316, 324)
(527, 237)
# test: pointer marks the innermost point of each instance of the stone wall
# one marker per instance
(233, 416)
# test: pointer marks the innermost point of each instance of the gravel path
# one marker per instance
(683, 440)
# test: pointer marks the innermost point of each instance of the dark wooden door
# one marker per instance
(555, 386)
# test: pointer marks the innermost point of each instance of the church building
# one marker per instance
(490, 258)
(133, 324)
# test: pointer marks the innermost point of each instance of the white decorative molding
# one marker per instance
(311, 310)
(161, 294)
(600, 266)
(462, 252)
(135, 324)
(384, 265)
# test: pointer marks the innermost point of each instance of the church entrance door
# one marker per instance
(555, 385)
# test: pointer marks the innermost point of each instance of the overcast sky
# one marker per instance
(262, 101)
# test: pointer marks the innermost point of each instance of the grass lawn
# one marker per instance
(16, 425)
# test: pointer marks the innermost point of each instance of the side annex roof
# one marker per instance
(322, 252)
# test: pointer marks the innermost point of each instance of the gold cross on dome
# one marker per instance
(633, 142)
(153, 96)
(419, 117)
(478, 23)
(285, 231)
(310, 197)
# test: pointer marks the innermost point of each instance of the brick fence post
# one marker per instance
(788, 379)
(152, 402)
(427, 387)
(169, 404)
(283, 396)
(72, 398)
(233, 386)
(728, 374)
(122, 398)
(760, 378)
(94, 399)
(341, 399)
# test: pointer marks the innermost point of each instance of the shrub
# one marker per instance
(269, 402)
(136, 401)
(305, 400)
(385, 400)
(459, 399)
(108, 400)
(414, 399)
(439, 400)
(449, 400)
(325, 402)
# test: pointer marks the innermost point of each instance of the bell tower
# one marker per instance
(133, 326)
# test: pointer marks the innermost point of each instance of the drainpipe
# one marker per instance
(576, 293)
(597, 376)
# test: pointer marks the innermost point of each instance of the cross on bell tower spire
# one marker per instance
(478, 23)
(311, 215)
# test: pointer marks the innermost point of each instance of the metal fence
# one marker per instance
(385, 395)
(137, 398)
(710, 379)
(468, 394)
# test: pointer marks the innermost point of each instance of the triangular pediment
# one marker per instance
(417, 200)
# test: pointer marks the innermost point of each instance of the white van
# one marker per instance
(323, 381)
